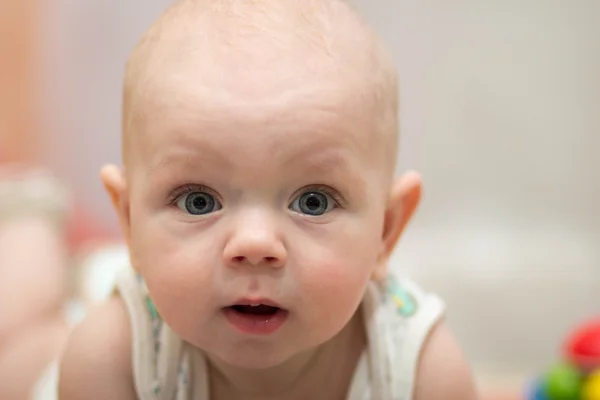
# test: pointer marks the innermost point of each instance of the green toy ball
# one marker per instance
(564, 382)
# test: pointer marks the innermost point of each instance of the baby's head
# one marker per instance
(259, 145)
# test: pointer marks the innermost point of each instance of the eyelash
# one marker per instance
(334, 194)
(183, 190)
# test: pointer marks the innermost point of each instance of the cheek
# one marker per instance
(347, 248)
(177, 267)
(331, 288)
(334, 269)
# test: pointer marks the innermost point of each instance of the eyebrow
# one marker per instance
(327, 162)
(183, 157)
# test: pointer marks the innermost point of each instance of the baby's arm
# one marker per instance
(97, 361)
(443, 373)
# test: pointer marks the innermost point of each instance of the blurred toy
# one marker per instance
(578, 376)
(591, 389)
(85, 230)
(583, 347)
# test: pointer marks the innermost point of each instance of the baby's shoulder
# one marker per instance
(426, 348)
(424, 360)
(97, 359)
(442, 371)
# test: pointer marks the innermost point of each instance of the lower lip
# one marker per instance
(256, 324)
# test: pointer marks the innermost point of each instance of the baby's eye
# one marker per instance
(198, 203)
(313, 203)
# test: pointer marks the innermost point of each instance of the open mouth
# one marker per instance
(259, 309)
(256, 319)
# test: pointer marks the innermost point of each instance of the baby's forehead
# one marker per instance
(276, 119)
(280, 112)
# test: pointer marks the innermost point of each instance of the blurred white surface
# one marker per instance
(499, 111)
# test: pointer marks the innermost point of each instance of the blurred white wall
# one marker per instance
(86, 45)
(500, 112)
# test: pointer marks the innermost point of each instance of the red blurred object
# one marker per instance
(582, 347)
(83, 230)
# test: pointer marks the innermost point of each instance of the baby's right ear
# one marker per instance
(115, 184)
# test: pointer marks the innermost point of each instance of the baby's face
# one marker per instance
(252, 195)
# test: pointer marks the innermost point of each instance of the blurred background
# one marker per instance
(500, 109)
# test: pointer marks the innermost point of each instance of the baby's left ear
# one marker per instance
(404, 199)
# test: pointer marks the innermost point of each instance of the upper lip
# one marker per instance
(255, 302)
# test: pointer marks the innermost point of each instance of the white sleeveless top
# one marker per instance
(398, 319)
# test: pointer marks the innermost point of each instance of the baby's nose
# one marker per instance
(255, 244)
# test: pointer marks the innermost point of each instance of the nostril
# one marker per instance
(242, 259)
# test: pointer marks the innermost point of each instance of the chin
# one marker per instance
(255, 356)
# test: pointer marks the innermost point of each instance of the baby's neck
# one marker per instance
(323, 373)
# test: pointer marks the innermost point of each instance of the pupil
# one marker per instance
(313, 202)
(200, 202)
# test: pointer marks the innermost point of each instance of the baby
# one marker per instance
(259, 206)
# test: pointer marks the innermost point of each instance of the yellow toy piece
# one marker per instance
(591, 387)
